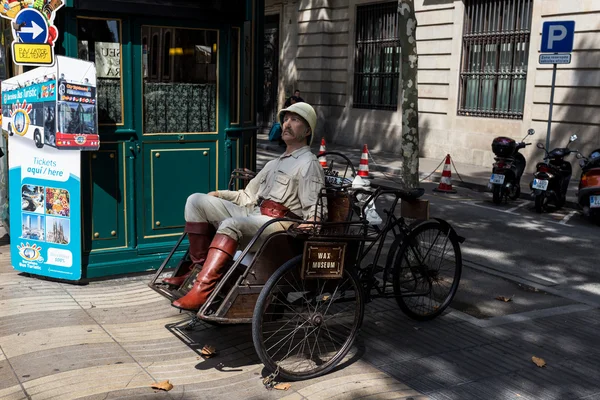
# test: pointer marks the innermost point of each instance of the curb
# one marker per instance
(525, 195)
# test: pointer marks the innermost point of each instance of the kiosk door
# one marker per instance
(176, 72)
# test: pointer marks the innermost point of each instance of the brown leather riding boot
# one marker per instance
(200, 235)
(221, 250)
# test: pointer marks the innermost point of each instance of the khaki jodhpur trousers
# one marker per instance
(239, 223)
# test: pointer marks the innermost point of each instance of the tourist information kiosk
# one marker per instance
(49, 115)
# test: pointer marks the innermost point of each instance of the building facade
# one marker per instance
(479, 74)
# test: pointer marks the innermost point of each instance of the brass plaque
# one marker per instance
(323, 260)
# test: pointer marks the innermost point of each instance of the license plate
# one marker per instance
(594, 201)
(323, 260)
(497, 179)
(540, 184)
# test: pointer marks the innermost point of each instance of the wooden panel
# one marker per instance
(243, 306)
(172, 172)
(103, 198)
(417, 209)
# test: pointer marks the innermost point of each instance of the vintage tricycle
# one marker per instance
(304, 292)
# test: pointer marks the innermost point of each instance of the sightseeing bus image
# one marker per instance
(60, 114)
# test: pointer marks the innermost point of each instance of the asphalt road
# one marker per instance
(557, 252)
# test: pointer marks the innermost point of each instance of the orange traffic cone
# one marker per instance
(445, 185)
(323, 159)
(363, 167)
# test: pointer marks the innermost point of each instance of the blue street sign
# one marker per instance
(557, 36)
(30, 26)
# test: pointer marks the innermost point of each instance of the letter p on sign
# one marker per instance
(557, 36)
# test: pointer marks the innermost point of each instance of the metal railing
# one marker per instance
(496, 38)
(377, 57)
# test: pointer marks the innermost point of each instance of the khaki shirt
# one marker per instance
(294, 180)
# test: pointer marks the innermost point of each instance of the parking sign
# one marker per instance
(557, 36)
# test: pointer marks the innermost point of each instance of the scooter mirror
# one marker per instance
(530, 132)
(573, 138)
(540, 146)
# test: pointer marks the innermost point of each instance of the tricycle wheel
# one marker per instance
(427, 271)
(303, 328)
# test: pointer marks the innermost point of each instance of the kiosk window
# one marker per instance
(99, 41)
(180, 92)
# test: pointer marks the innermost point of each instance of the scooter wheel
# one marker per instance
(497, 194)
(539, 203)
(514, 193)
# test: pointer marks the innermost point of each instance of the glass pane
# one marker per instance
(99, 41)
(182, 97)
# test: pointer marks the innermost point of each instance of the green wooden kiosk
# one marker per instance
(177, 93)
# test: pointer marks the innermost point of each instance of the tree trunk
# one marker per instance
(407, 27)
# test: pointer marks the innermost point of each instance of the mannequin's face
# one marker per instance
(294, 129)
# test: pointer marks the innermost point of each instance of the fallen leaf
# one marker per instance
(208, 351)
(504, 299)
(282, 386)
(164, 385)
(538, 361)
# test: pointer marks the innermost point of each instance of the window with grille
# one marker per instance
(494, 60)
(377, 57)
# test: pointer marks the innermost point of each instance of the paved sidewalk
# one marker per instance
(382, 164)
(111, 339)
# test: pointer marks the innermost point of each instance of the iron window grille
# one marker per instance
(494, 61)
(377, 57)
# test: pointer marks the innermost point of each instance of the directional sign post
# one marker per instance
(557, 37)
(34, 33)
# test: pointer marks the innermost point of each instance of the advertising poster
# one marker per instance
(49, 115)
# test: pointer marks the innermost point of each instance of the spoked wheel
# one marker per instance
(427, 270)
(303, 328)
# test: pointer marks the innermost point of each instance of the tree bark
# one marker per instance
(407, 27)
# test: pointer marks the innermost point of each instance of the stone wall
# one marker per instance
(317, 40)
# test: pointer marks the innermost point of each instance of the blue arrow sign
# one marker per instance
(30, 26)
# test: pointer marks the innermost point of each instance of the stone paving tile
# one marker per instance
(139, 313)
(7, 376)
(157, 350)
(44, 339)
(24, 305)
(34, 321)
(87, 381)
(48, 362)
(13, 393)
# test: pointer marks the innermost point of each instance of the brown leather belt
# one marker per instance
(274, 209)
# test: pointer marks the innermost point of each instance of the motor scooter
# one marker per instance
(552, 177)
(507, 171)
(588, 195)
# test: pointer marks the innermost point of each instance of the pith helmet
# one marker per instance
(304, 110)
